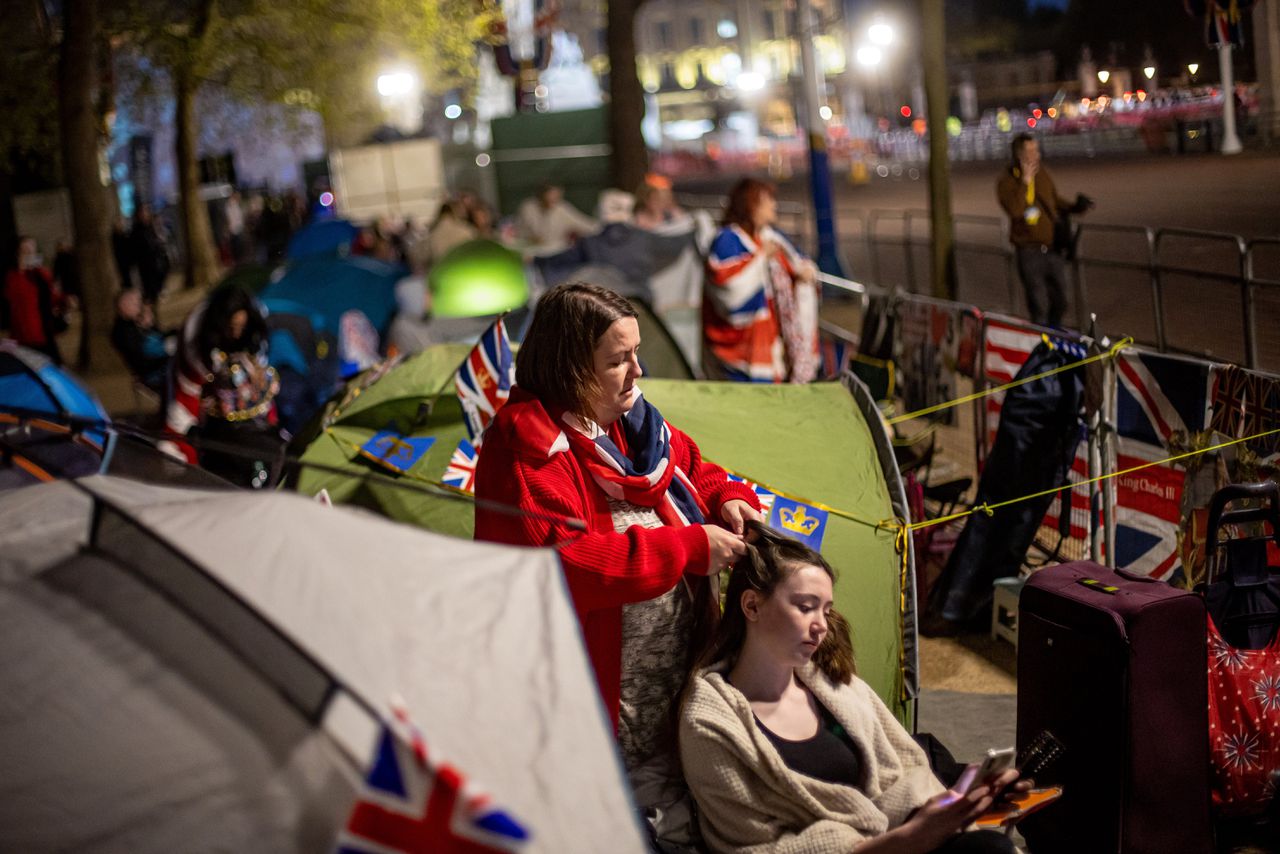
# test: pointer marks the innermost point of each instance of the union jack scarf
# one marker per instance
(645, 475)
(797, 316)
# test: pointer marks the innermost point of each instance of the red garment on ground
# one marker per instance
(525, 462)
(1244, 724)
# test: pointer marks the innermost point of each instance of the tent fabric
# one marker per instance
(327, 287)
(30, 381)
(478, 639)
(322, 237)
(811, 441)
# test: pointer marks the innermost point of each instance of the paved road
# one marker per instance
(1238, 195)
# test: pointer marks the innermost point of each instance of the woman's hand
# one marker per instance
(1008, 785)
(724, 548)
(736, 513)
(807, 272)
(944, 815)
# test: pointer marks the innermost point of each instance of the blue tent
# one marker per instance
(326, 237)
(329, 317)
(30, 383)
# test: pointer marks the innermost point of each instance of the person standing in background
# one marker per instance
(35, 306)
(150, 253)
(1038, 215)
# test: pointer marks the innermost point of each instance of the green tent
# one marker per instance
(820, 443)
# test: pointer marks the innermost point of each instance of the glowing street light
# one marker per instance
(869, 56)
(395, 84)
(1104, 76)
(1149, 71)
(1192, 68)
(880, 34)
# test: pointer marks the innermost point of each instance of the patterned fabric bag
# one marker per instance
(1244, 724)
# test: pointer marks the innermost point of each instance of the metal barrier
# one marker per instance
(1123, 275)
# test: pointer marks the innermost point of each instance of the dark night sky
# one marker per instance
(1061, 4)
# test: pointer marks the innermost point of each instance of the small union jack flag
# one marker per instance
(461, 473)
(415, 805)
(764, 495)
(484, 380)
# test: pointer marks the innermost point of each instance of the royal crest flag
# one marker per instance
(799, 521)
(395, 452)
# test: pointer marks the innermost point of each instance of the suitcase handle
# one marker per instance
(1236, 492)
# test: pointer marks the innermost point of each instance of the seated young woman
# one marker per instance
(786, 750)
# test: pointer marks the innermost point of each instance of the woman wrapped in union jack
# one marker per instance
(760, 302)
(576, 440)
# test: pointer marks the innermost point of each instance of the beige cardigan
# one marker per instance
(751, 802)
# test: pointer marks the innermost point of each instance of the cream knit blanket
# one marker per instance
(750, 801)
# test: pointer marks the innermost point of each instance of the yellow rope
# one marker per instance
(897, 525)
(978, 395)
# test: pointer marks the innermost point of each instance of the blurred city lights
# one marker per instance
(452, 111)
(726, 29)
(482, 160)
(326, 199)
(1053, 112)
(1031, 122)
(869, 55)
(1036, 112)
(1104, 76)
(1149, 71)
(905, 111)
(395, 83)
(825, 112)
(750, 81)
(1193, 67)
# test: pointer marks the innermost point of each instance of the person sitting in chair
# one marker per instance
(144, 349)
(786, 749)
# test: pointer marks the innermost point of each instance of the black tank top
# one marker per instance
(828, 756)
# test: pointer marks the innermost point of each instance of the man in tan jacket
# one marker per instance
(1028, 195)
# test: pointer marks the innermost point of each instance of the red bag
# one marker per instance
(1244, 724)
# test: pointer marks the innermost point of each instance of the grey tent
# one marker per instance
(187, 670)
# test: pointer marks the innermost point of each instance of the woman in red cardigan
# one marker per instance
(577, 440)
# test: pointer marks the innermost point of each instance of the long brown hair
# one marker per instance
(767, 563)
(743, 198)
(556, 362)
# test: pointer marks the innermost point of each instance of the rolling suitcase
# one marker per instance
(1113, 664)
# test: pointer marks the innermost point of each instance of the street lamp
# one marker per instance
(395, 84)
(880, 33)
(1149, 71)
(1192, 68)
(1104, 76)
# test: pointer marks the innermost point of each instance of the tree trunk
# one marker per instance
(201, 263)
(90, 214)
(933, 44)
(626, 97)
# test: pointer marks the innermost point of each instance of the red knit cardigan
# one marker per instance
(526, 462)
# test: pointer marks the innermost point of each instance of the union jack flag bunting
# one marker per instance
(461, 473)
(762, 494)
(484, 380)
(416, 805)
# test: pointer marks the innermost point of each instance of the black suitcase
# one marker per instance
(1113, 664)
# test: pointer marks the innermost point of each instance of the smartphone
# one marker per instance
(992, 766)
